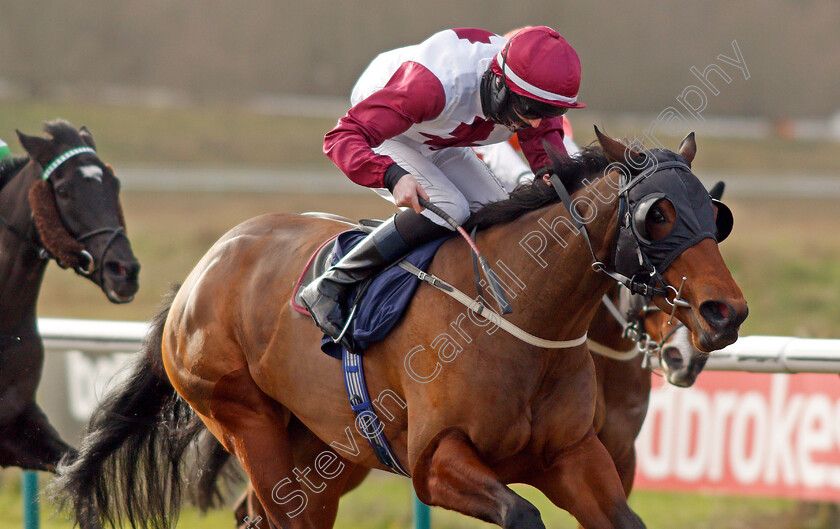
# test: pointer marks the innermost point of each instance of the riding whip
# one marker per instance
(495, 285)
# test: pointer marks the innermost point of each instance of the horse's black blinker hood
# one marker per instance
(639, 261)
(666, 176)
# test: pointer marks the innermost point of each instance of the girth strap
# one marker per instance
(367, 422)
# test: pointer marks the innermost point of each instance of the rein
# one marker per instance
(643, 342)
(488, 314)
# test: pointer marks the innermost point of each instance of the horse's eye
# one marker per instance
(61, 191)
(657, 217)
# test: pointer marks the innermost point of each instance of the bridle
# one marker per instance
(630, 315)
(88, 267)
(645, 288)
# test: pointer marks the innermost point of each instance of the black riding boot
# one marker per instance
(323, 296)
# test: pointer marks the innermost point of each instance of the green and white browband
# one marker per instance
(55, 164)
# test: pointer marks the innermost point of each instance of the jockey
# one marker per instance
(4, 151)
(416, 112)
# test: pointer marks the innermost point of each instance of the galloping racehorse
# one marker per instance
(624, 333)
(478, 410)
(58, 203)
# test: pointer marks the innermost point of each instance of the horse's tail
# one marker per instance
(213, 475)
(130, 462)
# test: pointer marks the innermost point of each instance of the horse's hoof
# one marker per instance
(523, 515)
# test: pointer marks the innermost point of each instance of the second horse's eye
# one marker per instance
(61, 191)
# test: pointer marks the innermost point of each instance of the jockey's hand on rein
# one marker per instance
(406, 192)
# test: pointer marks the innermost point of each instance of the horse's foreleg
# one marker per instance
(626, 467)
(450, 474)
(253, 428)
(619, 440)
(30, 442)
(583, 481)
(249, 511)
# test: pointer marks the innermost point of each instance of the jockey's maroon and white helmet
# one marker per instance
(539, 64)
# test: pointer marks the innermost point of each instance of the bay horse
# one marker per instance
(622, 371)
(626, 335)
(61, 203)
(230, 348)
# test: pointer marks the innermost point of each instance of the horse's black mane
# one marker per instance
(9, 167)
(528, 197)
(62, 132)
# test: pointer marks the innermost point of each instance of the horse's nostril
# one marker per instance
(718, 314)
(672, 357)
(123, 269)
(115, 268)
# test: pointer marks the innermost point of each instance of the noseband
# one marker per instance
(112, 233)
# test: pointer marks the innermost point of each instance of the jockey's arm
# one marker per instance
(550, 130)
(412, 95)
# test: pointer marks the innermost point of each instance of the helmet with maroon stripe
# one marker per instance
(535, 75)
(539, 64)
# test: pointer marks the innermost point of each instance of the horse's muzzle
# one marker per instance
(120, 280)
(724, 322)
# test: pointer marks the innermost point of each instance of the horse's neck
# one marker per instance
(609, 331)
(561, 291)
(21, 269)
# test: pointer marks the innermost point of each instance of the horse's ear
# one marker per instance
(716, 192)
(688, 147)
(38, 148)
(616, 151)
(87, 137)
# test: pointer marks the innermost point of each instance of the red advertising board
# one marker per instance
(744, 433)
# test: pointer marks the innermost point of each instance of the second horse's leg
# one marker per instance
(583, 481)
(30, 442)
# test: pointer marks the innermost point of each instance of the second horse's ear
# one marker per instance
(37, 148)
(688, 147)
(87, 137)
(716, 192)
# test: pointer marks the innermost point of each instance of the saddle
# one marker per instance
(379, 301)
(322, 258)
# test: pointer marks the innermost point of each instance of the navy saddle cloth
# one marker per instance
(384, 299)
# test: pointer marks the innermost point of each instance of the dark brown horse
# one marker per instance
(473, 413)
(624, 385)
(73, 217)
